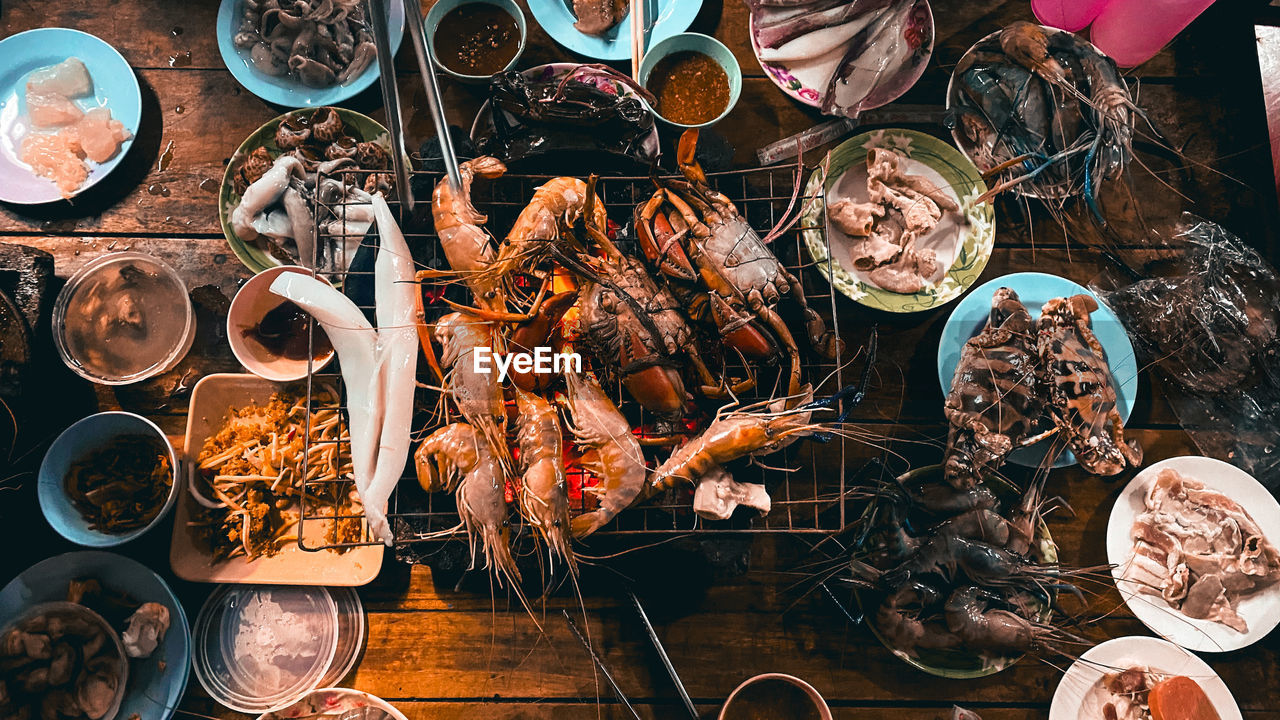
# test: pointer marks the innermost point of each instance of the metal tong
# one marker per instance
(379, 12)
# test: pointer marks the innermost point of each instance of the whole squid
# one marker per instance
(394, 288)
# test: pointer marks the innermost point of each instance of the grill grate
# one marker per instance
(806, 480)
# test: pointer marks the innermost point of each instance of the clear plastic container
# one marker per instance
(350, 635)
(122, 318)
(259, 648)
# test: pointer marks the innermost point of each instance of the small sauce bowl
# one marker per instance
(699, 43)
(86, 436)
(251, 304)
(742, 710)
(437, 13)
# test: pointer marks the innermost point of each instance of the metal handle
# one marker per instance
(662, 655)
(378, 20)
(608, 676)
(431, 83)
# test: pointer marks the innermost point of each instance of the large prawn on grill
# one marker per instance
(694, 234)
(1080, 387)
(996, 401)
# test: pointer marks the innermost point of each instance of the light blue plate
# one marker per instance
(1034, 290)
(672, 16)
(154, 691)
(114, 85)
(286, 90)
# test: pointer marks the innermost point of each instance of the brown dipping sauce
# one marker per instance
(772, 700)
(283, 332)
(690, 87)
(477, 39)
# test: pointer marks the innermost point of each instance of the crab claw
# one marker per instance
(739, 332)
(660, 241)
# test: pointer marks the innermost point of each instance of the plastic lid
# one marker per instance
(350, 635)
(260, 648)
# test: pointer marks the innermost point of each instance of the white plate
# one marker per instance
(1159, 655)
(1260, 610)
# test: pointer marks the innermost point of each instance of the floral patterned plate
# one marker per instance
(806, 80)
(926, 155)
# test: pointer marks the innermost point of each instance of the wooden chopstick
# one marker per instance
(637, 37)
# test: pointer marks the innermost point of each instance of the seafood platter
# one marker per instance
(531, 326)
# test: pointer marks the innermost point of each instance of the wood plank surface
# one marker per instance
(725, 608)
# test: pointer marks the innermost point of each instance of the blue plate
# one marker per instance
(114, 85)
(153, 693)
(673, 16)
(1034, 290)
(287, 90)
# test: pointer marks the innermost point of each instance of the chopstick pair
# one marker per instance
(379, 12)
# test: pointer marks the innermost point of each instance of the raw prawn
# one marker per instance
(980, 627)
(396, 307)
(611, 452)
(544, 492)
(898, 619)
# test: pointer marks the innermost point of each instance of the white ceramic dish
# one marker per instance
(252, 302)
(211, 399)
(1260, 610)
(333, 701)
(1158, 655)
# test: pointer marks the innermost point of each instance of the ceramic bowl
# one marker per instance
(706, 45)
(820, 704)
(70, 612)
(94, 433)
(252, 302)
(444, 7)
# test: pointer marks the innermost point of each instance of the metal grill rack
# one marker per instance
(806, 481)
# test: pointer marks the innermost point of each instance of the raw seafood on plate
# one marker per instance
(597, 17)
(300, 179)
(319, 44)
(1199, 550)
(843, 56)
(63, 136)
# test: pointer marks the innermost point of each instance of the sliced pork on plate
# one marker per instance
(1199, 550)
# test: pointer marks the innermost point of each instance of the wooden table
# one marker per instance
(438, 653)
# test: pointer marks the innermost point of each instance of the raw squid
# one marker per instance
(395, 288)
(263, 193)
(356, 342)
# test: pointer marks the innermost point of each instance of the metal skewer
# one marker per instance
(378, 14)
(662, 655)
(431, 83)
(608, 676)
